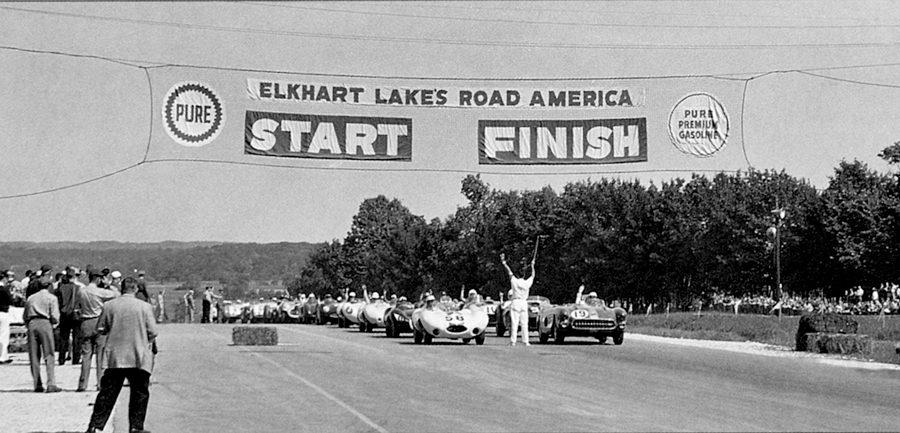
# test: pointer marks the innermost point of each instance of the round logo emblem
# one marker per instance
(698, 125)
(579, 314)
(192, 114)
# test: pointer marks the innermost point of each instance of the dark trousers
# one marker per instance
(206, 307)
(40, 342)
(69, 325)
(111, 385)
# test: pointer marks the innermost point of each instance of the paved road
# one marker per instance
(330, 379)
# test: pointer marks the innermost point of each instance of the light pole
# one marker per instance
(780, 215)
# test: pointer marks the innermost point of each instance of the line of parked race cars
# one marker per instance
(432, 318)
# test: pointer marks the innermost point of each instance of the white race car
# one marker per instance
(349, 313)
(232, 311)
(371, 315)
(447, 320)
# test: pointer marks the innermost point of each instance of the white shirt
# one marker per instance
(520, 287)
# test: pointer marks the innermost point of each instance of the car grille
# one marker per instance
(456, 328)
(594, 324)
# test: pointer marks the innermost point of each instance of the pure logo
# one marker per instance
(192, 114)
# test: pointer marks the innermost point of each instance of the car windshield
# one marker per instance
(594, 301)
(538, 300)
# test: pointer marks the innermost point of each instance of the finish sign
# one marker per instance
(698, 125)
(192, 114)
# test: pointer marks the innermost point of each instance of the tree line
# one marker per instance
(670, 242)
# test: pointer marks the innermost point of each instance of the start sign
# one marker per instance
(192, 114)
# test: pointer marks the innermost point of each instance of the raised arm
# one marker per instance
(365, 293)
(503, 260)
(578, 300)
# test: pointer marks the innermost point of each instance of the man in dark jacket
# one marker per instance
(70, 319)
(130, 329)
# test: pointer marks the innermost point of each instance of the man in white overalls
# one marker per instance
(518, 306)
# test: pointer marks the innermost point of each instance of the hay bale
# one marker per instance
(829, 323)
(841, 344)
(254, 336)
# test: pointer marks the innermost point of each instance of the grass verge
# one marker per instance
(884, 331)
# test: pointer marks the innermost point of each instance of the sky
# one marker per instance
(802, 85)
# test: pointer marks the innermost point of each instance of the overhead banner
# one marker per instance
(587, 96)
(332, 137)
(589, 141)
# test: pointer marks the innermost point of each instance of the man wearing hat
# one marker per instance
(38, 279)
(70, 318)
(41, 316)
(90, 303)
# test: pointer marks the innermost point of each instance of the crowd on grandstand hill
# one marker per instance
(884, 299)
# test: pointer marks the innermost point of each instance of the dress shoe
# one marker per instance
(53, 388)
(91, 430)
(39, 389)
(6, 362)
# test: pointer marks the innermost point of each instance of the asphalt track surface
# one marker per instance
(326, 379)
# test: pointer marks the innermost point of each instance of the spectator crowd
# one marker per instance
(884, 299)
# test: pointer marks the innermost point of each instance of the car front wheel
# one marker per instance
(479, 339)
(619, 338)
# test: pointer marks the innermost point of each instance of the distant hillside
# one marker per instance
(107, 245)
(166, 261)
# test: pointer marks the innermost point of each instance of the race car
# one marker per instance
(397, 318)
(591, 318)
(371, 315)
(289, 311)
(309, 310)
(349, 313)
(256, 312)
(535, 304)
(447, 320)
(490, 307)
(232, 311)
(327, 311)
(270, 310)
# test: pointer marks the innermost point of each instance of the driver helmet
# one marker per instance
(402, 298)
(429, 298)
(375, 295)
(352, 295)
(473, 292)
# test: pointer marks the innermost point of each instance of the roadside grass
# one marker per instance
(884, 331)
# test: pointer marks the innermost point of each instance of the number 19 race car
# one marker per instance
(447, 320)
(592, 318)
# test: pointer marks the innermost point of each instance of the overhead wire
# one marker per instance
(454, 42)
(370, 13)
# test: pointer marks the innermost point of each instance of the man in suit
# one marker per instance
(90, 303)
(130, 329)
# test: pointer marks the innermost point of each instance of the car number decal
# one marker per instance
(579, 314)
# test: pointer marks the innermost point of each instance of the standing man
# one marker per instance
(161, 304)
(131, 330)
(90, 303)
(208, 297)
(70, 319)
(189, 306)
(518, 307)
(38, 279)
(5, 318)
(41, 316)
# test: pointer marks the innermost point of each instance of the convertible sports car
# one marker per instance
(589, 319)
(349, 313)
(289, 311)
(447, 320)
(327, 311)
(396, 319)
(309, 310)
(371, 315)
(535, 305)
(232, 311)
(256, 312)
